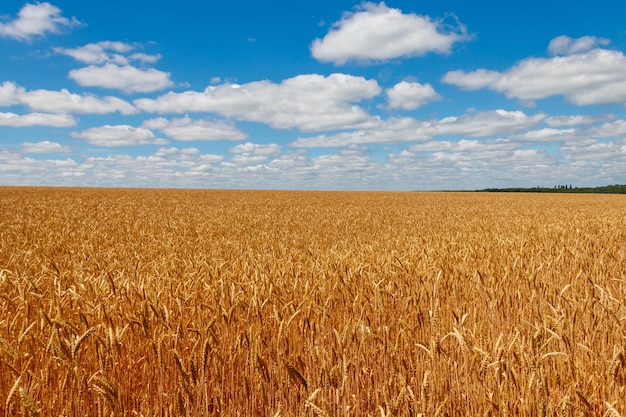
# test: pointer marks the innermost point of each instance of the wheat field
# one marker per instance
(122, 302)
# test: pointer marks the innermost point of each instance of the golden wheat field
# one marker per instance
(120, 302)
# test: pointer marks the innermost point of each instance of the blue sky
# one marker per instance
(396, 95)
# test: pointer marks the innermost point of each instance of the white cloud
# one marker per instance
(98, 53)
(256, 149)
(483, 124)
(36, 20)
(118, 135)
(616, 129)
(36, 119)
(252, 155)
(564, 45)
(65, 102)
(548, 134)
(474, 80)
(593, 152)
(597, 76)
(8, 93)
(479, 149)
(108, 52)
(187, 129)
(143, 57)
(488, 123)
(308, 102)
(125, 78)
(410, 95)
(375, 32)
(610, 130)
(44, 147)
(576, 120)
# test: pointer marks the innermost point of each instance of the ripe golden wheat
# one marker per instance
(259, 303)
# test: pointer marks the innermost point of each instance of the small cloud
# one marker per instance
(65, 102)
(256, 149)
(577, 120)
(411, 95)
(36, 20)
(125, 78)
(564, 45)
(44, 147)
(375, 32)
(36, 119)
(146, 58)
(119, 135)
(108, 51)
(186, 129)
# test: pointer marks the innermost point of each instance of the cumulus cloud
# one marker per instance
(187, 129)
(397, 130)
(548, 134)
(590, 152)
(375, 32)
(596, 76)
(410, 95)
(36, 119)
(308, 102)
(118, 135)
(126, 78)
(44, 147)
(108, 52)
(576, 120)
(35, 20)
(480, 149)
(488, 123)
(63, 101)
(256, 149)
(8, 93)
(615, 129)
(564, 45)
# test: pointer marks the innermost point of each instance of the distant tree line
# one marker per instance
(605, 189)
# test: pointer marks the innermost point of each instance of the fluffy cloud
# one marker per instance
(597, 76)
(256, 149)
(44, 147)
(187, 129)
(36, 119)
(36, 20)
(576, 120)
(65, 102)
(483, 124)
(410, 95)
(8, 93)
(548, 135)
(610, 130)
(489, 123)
(125, 78)
(375, 32)
(62, 101)
(107, 52)
(118, 135)
(611, 154)
(615, 129)
(308, 102)
(564, 45)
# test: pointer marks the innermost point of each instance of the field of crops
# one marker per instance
(259, 303)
